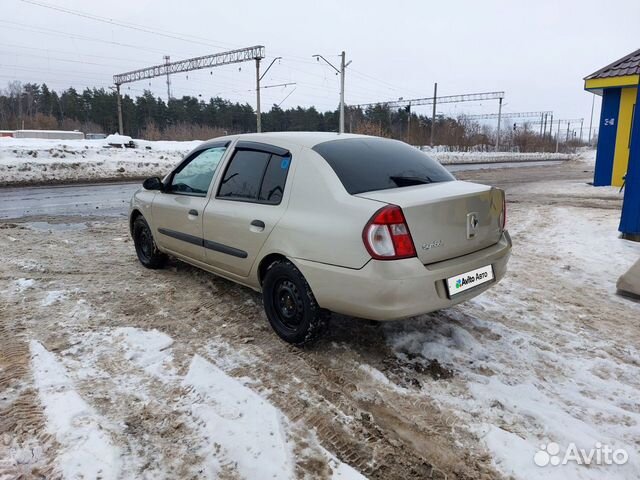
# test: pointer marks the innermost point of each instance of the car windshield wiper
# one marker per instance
(403, 181)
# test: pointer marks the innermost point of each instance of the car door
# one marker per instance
(178, 210)
(249, 202)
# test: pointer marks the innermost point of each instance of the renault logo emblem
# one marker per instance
(472, 224)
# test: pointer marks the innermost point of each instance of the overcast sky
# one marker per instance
(536, 51)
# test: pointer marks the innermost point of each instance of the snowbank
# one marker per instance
(455, 158)
(33, 161)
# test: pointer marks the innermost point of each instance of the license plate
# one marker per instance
(465, 281)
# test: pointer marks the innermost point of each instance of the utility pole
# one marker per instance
(119, 99)
(341, 72)
(541, 123)
(342, 67)
(558, 137)
(568, 127)
(258, 80)
(544, 132)
(593, 102)
(581, 122)
(258, 113)
(166, 62)
(409, 124)
(499, 122)
(433, 115)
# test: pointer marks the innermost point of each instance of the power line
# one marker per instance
(122, 24)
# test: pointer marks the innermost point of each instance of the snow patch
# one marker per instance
(248, 428)
(87, 450)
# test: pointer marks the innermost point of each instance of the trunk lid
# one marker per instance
(448, 219)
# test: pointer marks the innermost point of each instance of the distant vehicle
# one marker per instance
(319, 222)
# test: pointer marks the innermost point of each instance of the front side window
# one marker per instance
(194, 177)
(255, 176)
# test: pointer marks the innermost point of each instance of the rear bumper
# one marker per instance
(391, 290)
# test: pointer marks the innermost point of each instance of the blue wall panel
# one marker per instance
(607, 136)
(630, 220)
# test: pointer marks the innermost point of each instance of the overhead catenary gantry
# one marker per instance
(467, 97)
(256, 53)
(543, 116)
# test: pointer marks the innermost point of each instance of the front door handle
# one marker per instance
(258, 223)
(193, 212)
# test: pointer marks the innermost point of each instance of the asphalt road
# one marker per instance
(103, 199)
(112, 199)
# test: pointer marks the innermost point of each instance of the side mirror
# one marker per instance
(153, 183)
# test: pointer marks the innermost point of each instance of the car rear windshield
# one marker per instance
(369, 164)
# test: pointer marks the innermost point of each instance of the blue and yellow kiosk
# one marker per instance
(618, 154)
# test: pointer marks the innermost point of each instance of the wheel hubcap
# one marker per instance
(146, 243)
(287, 304)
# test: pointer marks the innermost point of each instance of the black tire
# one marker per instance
(290, 306)
(146, 248)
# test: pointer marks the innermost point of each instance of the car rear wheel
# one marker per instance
(290, 306)
(146, 248)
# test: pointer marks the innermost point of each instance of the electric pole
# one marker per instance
(499, 122)
(258, 80)
(433, 114)
(593, 102)
(119, 99)
(341, 72)
(166, 62)
(258, 113)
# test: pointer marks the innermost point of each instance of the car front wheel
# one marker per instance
(290, 306)
(146, 248)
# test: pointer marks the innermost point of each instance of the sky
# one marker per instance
(536, 52)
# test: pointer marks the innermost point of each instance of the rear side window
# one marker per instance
(369, 164)
(274, 179)
(255, 176)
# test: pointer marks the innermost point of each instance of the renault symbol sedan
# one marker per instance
(319, 222)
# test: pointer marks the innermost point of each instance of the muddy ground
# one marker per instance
(375, 400)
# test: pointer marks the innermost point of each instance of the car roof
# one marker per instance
(304, 139)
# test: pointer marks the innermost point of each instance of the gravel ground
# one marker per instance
(104, 365)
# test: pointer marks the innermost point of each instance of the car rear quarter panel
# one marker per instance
(323, 223)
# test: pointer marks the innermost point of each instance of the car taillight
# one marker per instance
(387, 235)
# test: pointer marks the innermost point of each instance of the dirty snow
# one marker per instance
(536, 364)
(87, 451)
(24, 160)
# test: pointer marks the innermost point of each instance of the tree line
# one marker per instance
(34, 106)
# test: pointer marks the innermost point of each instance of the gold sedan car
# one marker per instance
(320, 222)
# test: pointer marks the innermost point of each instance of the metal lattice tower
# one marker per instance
(490, 116)
(414, 102)
(206, 61)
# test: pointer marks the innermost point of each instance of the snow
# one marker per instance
(233, 428)
(250, 430)
(86, 449)
(117, 139)
(22, 284)
(52, 297)
(454, 158)
(535, 358)
(33, 160)
(29, 160)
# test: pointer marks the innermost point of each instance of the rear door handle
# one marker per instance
(258, 223)
(193, 212)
